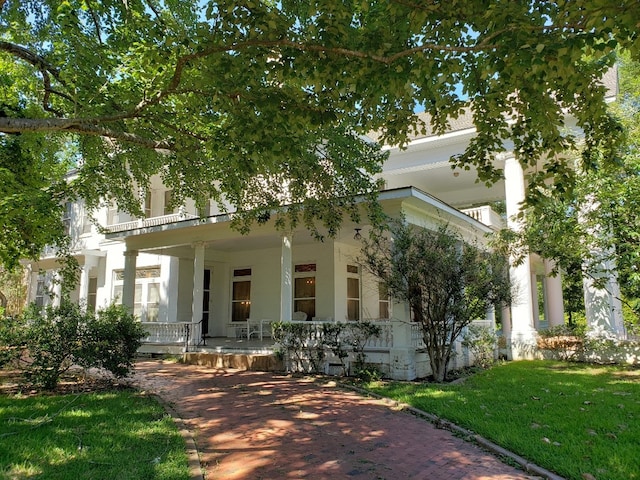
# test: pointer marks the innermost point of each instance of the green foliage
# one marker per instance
(573, 419)
(594, 226)
(305, 345)
(482, 342)
(263, 103)
(114, 434)
(446, 282)
(50, 342)
(110, 340)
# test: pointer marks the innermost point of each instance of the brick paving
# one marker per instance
(256, 425)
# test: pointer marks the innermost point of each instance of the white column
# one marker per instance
(603, 305)
(601, 290)
(198, 279)
(553, 300)
(523, 336)
(56, 289)
(286, 279)
(129, 279)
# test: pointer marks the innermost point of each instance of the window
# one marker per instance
(112, 214)
(147, 204)
(86, 220)
(241, 295)
(168, 199)
(66, 219)
(384, 301)
(304, 293)
(40, 292)
(146, 301)
(91, 294)
(353, 293)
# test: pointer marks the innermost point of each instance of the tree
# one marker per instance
(446, 282)
(597, 219)
(259, 103)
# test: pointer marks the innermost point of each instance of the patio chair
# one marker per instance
(299, 316)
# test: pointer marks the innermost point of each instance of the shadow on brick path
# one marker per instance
(256, 425)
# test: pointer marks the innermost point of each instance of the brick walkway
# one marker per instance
(254, 425)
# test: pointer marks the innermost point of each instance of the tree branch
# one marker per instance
(81, 126)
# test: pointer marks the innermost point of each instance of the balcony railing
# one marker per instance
(486, 215)
(150, 222)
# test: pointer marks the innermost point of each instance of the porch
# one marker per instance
(398, 351)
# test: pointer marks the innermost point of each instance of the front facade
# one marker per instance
(192, 280)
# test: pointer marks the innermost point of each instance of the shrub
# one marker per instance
(563, 341)
(53, 340)
(482, 342)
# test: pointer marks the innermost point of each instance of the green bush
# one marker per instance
(304, 345)
(482, 341)
(50, 341)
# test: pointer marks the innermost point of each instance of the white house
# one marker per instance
(195, 280)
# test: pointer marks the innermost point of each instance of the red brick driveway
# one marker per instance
(254, 425)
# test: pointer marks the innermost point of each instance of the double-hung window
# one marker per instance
(304, 290)
(146, 300)
(353, 292)
(241, 295)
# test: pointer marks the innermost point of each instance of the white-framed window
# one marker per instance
(146, 300)
(353, 292)
(112, 213)
(86, 219)
(384, 301)
(304, 289)
(66, 218)
(147, 204)
(168, 207)
(41, 291)
(241, 295)
(92, 293)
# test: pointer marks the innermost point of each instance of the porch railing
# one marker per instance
(175, 333)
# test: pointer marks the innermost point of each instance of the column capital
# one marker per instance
(130, 253)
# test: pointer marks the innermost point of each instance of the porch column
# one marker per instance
(129, 279)
(554, 303)
(286, 279)
(522, 330)
(198, 280)
(56, 289)
(601, 290)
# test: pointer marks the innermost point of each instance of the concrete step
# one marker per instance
(239, 361)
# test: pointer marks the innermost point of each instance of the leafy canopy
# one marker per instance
(258, 103)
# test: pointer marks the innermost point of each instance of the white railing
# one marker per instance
(150, 222)
(385, 340)
(485, 215)
(179, 333)
(417, 340)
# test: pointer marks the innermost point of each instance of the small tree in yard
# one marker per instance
(446, 282)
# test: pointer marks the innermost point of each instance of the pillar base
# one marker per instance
(523, 344)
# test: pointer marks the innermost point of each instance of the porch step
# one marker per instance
(239, 361)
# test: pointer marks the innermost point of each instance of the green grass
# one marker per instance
(109, 435)
(569, 418)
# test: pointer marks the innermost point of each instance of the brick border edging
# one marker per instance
(466, 434)
(193, 458)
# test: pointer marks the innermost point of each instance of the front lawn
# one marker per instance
(572, 419)
(117, 434)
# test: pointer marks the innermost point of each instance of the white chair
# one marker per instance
(299, 316)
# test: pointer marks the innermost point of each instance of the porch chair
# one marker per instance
(299, 316)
